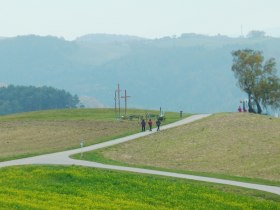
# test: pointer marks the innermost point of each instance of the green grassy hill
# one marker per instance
(230, 144)
(58, 187)
(40, 132)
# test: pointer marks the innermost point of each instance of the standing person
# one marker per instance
(239, 109)
(143, 124)
(158, 124)
(150, 124)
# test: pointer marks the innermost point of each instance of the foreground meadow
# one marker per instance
(222, 145)
(40, 132)
(53, 187)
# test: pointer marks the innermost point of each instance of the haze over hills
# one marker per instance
(275, 32)
(190, 73)
(107, 38)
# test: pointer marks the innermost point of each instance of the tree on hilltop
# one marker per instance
(257, 78)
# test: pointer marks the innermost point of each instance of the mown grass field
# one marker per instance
(223, 145)
(53, 187)
(41, 132)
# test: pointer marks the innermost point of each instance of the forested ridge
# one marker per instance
(15, 99)
(191, 72)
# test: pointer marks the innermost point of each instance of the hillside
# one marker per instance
(190, 73)
(39, 132)
(233, 144)
(45, 187)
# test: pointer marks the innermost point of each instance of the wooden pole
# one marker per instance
(115, 104)
(119, 100)
(125, 100)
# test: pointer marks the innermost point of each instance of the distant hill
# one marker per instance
(107, 38)
(190, 73)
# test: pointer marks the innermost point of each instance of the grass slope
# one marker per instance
(40, 132)
(231, 144)
(51, 187)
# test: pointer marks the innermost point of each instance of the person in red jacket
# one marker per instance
(239, 109)
(150, 124)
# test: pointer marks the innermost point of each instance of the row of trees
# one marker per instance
(258, 78)
(15, 99)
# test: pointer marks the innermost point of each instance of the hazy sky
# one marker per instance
(146, 18)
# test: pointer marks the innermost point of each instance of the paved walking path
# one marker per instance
(62, 158)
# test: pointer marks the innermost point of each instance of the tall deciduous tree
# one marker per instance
(257, 78)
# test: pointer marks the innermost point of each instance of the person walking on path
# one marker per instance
(158, 124)
(143, 124)
(150, 124)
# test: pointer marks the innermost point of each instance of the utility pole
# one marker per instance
(115, 104)
(241, 29)
(125, 100)
(118, 97)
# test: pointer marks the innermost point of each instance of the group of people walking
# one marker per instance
(242, 110)
(150, 123)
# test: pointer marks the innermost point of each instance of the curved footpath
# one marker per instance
(62, 158)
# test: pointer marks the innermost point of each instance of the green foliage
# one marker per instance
(15, 99)
(258, 79)
(53, 187)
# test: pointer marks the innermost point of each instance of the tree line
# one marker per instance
(14, 99)
(258, 78)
